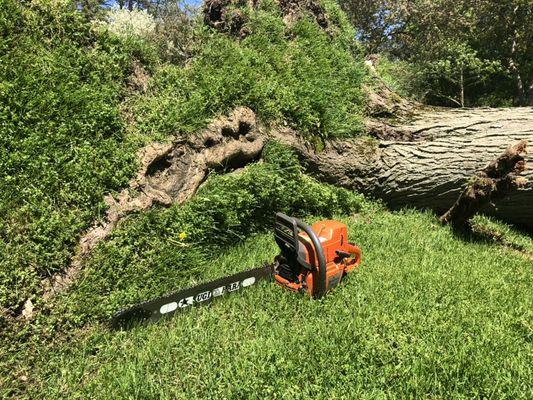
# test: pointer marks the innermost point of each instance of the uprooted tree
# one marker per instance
(426, 164)
(426, 159)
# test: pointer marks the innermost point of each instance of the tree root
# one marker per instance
(496, 181)
(169, 174)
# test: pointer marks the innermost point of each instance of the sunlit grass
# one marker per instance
(428, 315)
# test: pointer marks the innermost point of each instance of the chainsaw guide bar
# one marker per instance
(166, 306)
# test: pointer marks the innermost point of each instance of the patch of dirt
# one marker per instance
(229, 16)
(294, 10)
(138, 80)
(384, 131)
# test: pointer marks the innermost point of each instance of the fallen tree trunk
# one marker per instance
(432, 162)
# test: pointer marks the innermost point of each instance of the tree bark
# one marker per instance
(431, 161)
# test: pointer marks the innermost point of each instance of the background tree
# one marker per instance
(453, 68)
(422, 32)
(504, 32)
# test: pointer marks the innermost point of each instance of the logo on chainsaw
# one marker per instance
(186, 302)
(206, 295)
(202, 296)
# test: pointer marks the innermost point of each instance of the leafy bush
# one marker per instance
(62, 145)
(297, 75)
(398, 75)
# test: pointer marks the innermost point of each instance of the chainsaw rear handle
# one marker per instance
(292, 243)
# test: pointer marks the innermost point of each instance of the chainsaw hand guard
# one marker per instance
(288, 239)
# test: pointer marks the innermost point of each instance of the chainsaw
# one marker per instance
(312, 259)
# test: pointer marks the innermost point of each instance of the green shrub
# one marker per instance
(298, 75)
(62, 144)
(398, 75)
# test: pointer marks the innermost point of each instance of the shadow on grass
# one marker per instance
(488, 231)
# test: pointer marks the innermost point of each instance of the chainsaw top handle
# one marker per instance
(286, 235)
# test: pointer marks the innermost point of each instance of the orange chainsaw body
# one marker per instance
(339, 255)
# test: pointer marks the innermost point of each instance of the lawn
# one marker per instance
(429, 314)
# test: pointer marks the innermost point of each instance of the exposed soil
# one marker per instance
(229, 16)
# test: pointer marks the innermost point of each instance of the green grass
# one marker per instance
(428, 315)
(62, 143)
(505, 234)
